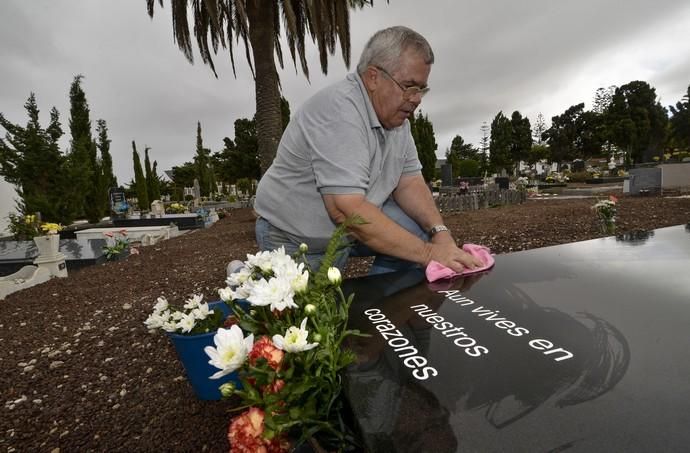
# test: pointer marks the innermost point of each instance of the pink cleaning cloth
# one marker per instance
(436, 271)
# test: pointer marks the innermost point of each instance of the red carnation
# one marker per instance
(266, 349)
(245, 435)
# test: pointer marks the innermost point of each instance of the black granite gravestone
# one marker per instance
(182, 221)
(578, 347)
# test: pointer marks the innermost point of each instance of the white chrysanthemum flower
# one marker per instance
(295, 339)
(334, 275)
(261, 260)
(230, 352)
(201, 312)
(300, 282)
(240, 277)
(194, 302)
(244, 291)
(276, 292)
(176, 315)
(157, 319)
(186, 324)
(226, 294)
(170, 325)
(161, 305)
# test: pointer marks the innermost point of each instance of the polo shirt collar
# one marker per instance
(373, 118)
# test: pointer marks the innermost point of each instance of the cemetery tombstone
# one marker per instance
(197, 193)
(446, 175)
(118, 203)
(580, 346)
(503, 182)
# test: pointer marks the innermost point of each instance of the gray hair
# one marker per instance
(386, 46)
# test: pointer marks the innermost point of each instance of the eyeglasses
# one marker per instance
(408, 92)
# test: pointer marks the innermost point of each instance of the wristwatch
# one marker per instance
(437, 229)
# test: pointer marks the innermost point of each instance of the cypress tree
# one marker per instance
(424, 138)
(156, 184)
(94, 199)
(80, 159)
(140, 180)
(150, 176)
(202, 160)
(107, 179)
(106, 158)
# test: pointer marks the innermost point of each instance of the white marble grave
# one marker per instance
(147, 235)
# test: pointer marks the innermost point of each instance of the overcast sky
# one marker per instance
(491, 55)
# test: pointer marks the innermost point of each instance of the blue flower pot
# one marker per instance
(190, 351)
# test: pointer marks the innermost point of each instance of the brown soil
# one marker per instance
(79, 371)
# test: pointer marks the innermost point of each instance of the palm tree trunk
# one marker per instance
(268, 120)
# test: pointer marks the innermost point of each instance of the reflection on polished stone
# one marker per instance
(635, 236)
(579, 346)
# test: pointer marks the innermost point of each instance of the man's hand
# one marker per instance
(443, 249)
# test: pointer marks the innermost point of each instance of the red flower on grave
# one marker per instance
(266, 349)
(245, 434)
(274, 387)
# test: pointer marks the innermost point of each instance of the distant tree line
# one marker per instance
(628, 119)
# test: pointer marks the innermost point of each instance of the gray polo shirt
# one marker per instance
(334, 144)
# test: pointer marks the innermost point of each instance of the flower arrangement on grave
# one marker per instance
(30, 226)
(116, 243)
(606, 214)
(521, 183)
(193, 318)
(176, 208)
(287, 348)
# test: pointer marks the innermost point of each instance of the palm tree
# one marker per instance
(258, 23)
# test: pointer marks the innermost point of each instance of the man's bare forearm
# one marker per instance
(380, 233)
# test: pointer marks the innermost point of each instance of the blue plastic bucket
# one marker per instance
(190, 351)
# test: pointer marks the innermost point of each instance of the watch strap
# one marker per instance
(437, 229)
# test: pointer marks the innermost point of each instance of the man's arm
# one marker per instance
(385, 236)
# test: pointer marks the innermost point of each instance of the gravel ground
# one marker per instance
(79, 372)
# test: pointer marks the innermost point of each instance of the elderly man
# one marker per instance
(348, 151)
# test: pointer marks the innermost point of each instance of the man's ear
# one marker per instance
(370, 77)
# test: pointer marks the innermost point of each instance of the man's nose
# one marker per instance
(415, 99)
